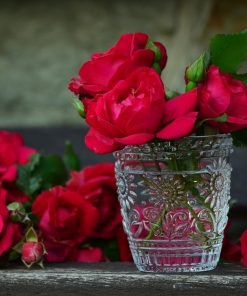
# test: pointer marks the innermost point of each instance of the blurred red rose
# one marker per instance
(9, 231)
(87, 254)
(131, 113)
(104, 70)
(12, 152)
(66, 221)
(179, 116)
(243, 243)
(97, 185)
(222, 94)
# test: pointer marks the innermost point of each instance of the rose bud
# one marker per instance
(32, 252)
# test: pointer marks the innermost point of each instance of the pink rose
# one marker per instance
(97, 185)
(222, 94)
(130, 114)
(105, 70)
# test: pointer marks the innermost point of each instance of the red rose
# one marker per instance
(104, 70)
(12, 152)
(9, 232)
(97, 185)
(243, 243)
(179, 116)
(222, 94)
(131, 113)
(89, 254)
(32, 252)
(66, 220)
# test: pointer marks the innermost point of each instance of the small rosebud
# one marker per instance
(32, 252)
(196, 71)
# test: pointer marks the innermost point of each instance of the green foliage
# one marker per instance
(222, 118)
(228, 52)
(242, 77)
(240, 138)
(71, 159)
(41, 173)
(108, 246)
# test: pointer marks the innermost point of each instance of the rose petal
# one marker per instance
(178, 128)
(180, 105)
(100, 143)
(136, 139)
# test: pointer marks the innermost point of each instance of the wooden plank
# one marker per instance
(120, 279)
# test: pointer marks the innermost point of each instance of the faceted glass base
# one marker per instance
(161, 257)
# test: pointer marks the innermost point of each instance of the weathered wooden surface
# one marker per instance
(120, 279)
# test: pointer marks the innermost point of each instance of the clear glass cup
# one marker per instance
(174, 198)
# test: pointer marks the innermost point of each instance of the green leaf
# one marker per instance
(222, 118)
(242, 77)
(240, 138)
(41, 173)
(16, 251)
(25, 173)
(15, 206)
(71, 159)
(228, 52)
(51, 171)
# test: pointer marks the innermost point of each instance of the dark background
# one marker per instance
(43, 44)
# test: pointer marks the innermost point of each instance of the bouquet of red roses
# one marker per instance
(124, 101)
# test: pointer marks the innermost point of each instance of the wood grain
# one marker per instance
(120, 279)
